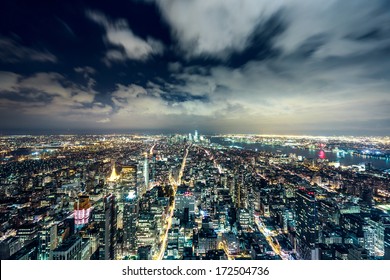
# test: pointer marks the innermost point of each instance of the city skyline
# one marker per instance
(194, 197)
(302, 67)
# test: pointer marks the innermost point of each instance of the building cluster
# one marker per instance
(182, 197)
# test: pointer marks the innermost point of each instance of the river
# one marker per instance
(347, 159)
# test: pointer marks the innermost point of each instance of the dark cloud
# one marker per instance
(255, 66)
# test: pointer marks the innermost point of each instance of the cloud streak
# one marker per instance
(215, 28)
(13, 52)
(128, 45)
(222, 27)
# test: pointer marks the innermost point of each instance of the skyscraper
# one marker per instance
(306, 222)
(146, 172)
(129, 202)
(106, 218)
(130, 218)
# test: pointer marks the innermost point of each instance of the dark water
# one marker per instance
(347, 159)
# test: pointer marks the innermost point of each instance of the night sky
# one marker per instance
(218, 66)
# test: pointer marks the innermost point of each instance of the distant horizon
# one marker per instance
(215, 134)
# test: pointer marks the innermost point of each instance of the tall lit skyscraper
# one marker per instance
(306, 222)
(106, 218)
(130, 217)
(196, 136)
(129, 201)
(128, 183)
(146, 172)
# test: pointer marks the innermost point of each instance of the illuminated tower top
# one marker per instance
(114, 177)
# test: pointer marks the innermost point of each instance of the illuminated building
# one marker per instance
(306, 222)
(47, 240)
(185, 204)
(265, 206)
(146, 230)
(114, 176)
(222, 217)
(129, 177)
(207, 240)
(146, 172)
(321, 154)
(244, 218)
(349, 208)
(127, 190)
(157, 208)
(232, 243)
(82, 209)
(105, 215)
(27, 233)
(130, 217)
(172, 251)
(369, 239)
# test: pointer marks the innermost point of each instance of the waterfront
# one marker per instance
(347, 159)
